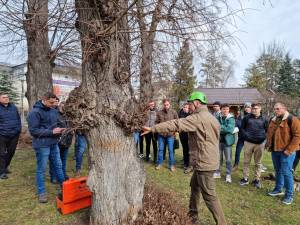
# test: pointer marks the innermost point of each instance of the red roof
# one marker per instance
(233, 96)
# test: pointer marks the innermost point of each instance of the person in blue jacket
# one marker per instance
(44, 127)
(10, 129)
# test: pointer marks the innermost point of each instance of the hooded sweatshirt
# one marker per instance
(41, 122)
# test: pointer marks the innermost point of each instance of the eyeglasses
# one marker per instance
(277, 108)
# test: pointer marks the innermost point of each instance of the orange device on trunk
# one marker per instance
(75, 195)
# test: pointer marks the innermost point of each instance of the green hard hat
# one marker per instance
(197, 95)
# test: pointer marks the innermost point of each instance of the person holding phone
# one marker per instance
(43, 125)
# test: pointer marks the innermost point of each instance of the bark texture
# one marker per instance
(147, 35)
(103, 107)
(39, 70)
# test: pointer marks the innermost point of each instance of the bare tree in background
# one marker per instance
(46, 30)
(169, 22)
(216, 69)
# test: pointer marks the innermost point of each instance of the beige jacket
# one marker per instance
(204, 134)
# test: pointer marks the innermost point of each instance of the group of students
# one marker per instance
(254, 133)
(212, 135)
(160, 141)
(51, 140)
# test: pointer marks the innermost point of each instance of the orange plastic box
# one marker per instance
(76, 195)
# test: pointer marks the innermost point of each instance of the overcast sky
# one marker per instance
(261, 23)
(279, 21)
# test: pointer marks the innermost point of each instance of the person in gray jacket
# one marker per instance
(151, 118)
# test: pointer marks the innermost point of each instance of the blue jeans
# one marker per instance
(161, 145)
(138, 141)
(42, 157)
(239, 147)
(80, 146)
(283, 172)
(227, 151)
(63, 156)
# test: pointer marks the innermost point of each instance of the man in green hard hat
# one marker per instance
(204, 133)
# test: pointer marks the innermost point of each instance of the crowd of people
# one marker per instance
(210, 137)
(51, 140)
(206, 137)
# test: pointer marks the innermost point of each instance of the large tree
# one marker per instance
(45, 29)
(39, 65)
(184, 80)
(103, 108)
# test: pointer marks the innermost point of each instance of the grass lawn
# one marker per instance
(242, 205)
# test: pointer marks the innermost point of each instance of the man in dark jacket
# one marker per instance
(64, 143)
(43, 125)
(183, 113)
(240, 142)
(254, 128)
(10, 128)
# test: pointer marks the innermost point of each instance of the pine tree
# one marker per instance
(184, 80)
(287, 83)
(6, 86)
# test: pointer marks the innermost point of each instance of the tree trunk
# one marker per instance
(101, 107)
(39, 65)
(146, 88)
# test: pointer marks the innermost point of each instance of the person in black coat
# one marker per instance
(64, 143)
(184, 112)
(10, 129)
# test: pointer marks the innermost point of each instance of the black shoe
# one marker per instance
(257, 184)
(244, 181)
(3, 176)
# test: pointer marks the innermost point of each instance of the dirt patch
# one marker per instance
(160, 208)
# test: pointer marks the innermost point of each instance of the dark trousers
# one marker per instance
(7, 150)
(185, 148)
(151, 137)
(296, 161)
(141, 143)
(204, 183)
(238, 149)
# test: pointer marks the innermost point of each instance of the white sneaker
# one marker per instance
(217, 175)
(141, 156)
(263, 169)
(228, 178)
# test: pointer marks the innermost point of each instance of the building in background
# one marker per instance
(235, 97)
(65, 79)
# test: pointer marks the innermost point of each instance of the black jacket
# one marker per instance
(254, 129)
(182, 114)
(65, 139)
(41, 122)
(10, 122)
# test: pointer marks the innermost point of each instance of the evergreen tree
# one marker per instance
(296, 66)
(287, 83)
(264, 73)
(6, 86)
(184, 80)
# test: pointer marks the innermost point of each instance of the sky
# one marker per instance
(265, 23)
(261, 23)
